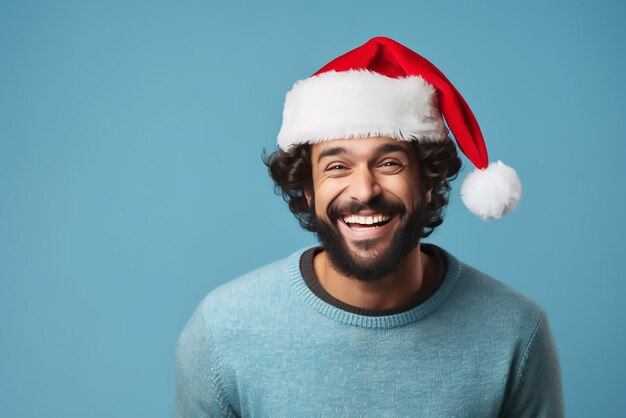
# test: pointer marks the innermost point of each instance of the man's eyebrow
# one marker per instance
(332, 151)
(390, 147)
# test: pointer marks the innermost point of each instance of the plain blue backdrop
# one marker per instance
(131, 181)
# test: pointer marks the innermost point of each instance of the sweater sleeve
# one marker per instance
(199, 391)
(536, 390)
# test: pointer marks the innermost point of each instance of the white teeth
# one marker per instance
(365, 220)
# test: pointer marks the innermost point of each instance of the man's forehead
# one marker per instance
(359, 146)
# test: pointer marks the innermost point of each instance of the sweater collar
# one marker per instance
(414, 314)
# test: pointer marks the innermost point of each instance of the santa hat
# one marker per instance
(383, 88)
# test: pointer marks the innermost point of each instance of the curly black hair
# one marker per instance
(292, 173)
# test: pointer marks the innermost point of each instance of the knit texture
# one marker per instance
(264, 345)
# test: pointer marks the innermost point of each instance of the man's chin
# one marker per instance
(367, 258)
(368, 248)
(364, 264)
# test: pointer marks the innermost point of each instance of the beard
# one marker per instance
(378, 263)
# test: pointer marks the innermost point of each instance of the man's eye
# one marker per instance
(390, 163)
(391, 166)
(335, 167)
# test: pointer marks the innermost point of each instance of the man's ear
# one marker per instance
(428, 196)
(308, 196)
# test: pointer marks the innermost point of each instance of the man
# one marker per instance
(373, 322)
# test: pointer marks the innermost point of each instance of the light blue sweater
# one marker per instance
(264, 345)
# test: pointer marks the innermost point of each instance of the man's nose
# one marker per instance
(364, 186)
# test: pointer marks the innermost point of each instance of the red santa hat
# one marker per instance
(383, 88)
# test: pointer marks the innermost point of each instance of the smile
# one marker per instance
(371, 226)
(366, 222)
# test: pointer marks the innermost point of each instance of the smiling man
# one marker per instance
(373, 322)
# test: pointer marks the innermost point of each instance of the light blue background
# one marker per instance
(131, 181)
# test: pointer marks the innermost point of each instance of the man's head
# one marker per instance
(384, 89)
(369, 200)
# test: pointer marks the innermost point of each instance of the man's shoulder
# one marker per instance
(250, 294)
(493, 300)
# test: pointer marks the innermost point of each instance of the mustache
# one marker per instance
(378, 204)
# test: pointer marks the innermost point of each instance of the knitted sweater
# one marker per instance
(266, 345)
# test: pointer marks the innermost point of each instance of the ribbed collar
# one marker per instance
(414, 314)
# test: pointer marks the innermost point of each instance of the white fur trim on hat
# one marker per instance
(493, 192)
(360, 103)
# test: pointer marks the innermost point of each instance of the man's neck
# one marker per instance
(415, 278)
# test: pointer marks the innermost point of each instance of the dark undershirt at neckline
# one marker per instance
(310, 278)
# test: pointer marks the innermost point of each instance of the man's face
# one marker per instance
(369, 203)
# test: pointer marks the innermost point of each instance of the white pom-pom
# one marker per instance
(491, 193)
